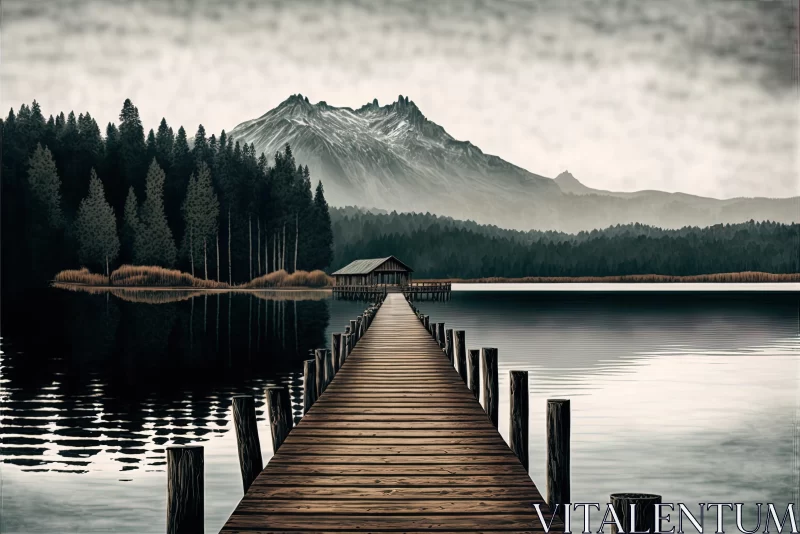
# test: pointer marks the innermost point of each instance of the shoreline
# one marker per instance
(190, 288)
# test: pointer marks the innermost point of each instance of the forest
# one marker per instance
(442, 247)
(208, 205)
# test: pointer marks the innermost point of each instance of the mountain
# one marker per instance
(392, 157)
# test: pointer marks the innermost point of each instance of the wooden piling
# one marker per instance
(460, 350)
(185, 493)
(336, 349)
(491, 398)
(473, 366)
(558, 436)
(319, 374)
(343, 350)
(244, 421)
(426, 322)
(440, 335)
(448, 345)
(518, 423)
(309, 384)
(278, 414)
(354, 331)
(645, 511)
(329, 367)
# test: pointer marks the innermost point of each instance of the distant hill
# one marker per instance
(392, 157)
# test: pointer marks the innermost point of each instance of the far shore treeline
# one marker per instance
(442, 247)
(72, 197)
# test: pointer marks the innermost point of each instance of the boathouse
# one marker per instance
(378, 271)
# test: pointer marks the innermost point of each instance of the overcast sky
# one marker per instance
(680, 95)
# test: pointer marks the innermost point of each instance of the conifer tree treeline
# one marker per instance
(73, 197)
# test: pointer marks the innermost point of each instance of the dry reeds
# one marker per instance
(741, 277)
(149, 276)
(81, 276)
(296, 279)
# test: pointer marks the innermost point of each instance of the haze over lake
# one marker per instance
(693, 396)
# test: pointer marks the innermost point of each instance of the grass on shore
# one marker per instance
(150, 276)
(741, 277)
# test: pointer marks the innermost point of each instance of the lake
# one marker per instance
(695, 396)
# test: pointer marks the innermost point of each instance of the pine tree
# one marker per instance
(45, 187)
(153, 244)
(201, 217)
(177, 182)
(323, 230)
(132, 144)
(130, 226)
(96, 228)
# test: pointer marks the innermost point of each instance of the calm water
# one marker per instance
(695, 397)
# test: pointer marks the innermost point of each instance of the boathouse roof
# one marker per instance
(367, 266)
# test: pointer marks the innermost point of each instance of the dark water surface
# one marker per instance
(694, 397)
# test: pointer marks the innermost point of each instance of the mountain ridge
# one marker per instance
(393, 157)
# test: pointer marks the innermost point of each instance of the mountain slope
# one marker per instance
(392, 157)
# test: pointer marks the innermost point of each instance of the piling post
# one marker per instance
(460, 349)
(558, 436)
(309, 384)
(354, 331)
(185, 493)
(645, 510)
(329, 367)
(343, 350)
(490, 387)
(518, 423)
(448, 344)
(440, 334)
(244, 421)
(473, 365)
(426, 322)
(278, 413)
(319, 374)
(336, 349)
(360, 326)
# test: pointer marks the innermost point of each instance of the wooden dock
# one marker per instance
(396, 443)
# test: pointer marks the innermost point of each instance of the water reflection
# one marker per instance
(122, 374)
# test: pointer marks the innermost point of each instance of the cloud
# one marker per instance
(687, 95)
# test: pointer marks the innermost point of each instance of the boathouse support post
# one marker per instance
(558, 437)
(473, 366)
(185, 493)
(645, 510)
(309, 384)
(278, 413)
(490, 385)
(448, 344)
(460, 349)
(244, 421)
(518, 423)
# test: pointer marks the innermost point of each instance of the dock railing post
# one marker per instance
(279, 414)
(309, 384)
(448, 344)
(329, 367)
(185, 493)
(558, 436)
(336, 349)
(460, 349)
(473, 367)
(244, 421)
(490, 384)
(319, 374)
(645, 510)
(518, 423)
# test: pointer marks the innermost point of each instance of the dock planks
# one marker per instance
(396, 443)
